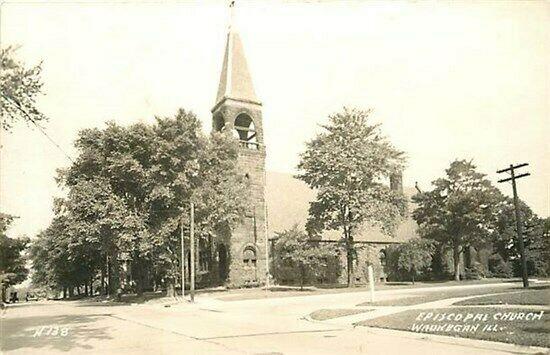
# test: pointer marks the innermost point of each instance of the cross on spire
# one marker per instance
(231, 14)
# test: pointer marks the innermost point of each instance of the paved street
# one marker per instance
(215, 326)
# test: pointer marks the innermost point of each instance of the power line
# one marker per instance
(33, 121)
(52, 141)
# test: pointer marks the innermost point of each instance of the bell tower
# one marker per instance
(238, 112)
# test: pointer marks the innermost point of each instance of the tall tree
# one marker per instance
(460, 211)
(12, 261)
(505, 241)
(129, 191)
(347, 165)
(51, 259)
(19, 89)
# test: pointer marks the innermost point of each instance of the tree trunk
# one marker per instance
(102, 288)
(86, 289)
(71, 291)
(137, 276)
(302, 277)
(170, 288)
(456, 261)
(114, 282)
(109, 277)
(349, 257)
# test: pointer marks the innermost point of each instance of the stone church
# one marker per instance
(242, 254)
(277, 201)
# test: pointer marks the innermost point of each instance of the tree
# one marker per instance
(459, 212)
(51, 258)
(505, 242)
(346, 164)
(297, 254)
(12, 261)
(128, 195)
(542, 247)
(19, 89)
(414, 255)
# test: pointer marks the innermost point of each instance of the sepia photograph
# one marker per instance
(273, 177)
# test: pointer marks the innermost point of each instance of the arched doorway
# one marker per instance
(223, 266)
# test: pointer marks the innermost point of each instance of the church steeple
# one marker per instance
(235, 79)
(238, 114)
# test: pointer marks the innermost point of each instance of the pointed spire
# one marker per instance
(235, 79)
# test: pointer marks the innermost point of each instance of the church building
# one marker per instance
(242, 254)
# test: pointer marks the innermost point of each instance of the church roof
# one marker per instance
(288, 203)
(235, 79)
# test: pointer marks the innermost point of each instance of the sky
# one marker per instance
(447, 80)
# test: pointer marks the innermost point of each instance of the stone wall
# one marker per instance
(366, 254)
(246, 243)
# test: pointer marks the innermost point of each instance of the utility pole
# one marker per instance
(182, 262)
(266, 221)
(519, 225)
(192, 251)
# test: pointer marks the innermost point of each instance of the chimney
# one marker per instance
(396, 182)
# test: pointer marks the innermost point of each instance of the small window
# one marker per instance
(249, 256)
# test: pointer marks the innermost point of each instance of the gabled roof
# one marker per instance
(288, 204)
(235, 79)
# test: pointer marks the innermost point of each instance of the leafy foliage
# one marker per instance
(19, 89)
(415, 255)
(537, 246)
(129, 193)
(347, 165)
(296, 254)
(460, 211)
(500, 268)
(12, 261)
(409, 259)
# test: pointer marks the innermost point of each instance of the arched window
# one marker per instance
(249, 256)
(245, 131)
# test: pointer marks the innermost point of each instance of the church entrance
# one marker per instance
(223, 262)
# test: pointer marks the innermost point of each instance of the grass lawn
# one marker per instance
(533, 332)
(324, 314)
(431, 296)
(537, 295)
(281, 291)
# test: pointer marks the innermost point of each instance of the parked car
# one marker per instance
(31, 297)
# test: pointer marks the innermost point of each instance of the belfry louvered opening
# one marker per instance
(246, 131)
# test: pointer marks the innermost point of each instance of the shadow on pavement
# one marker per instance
(39, 332)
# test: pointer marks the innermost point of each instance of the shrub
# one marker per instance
(500, 268)
(475, 272)
(296, 258)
